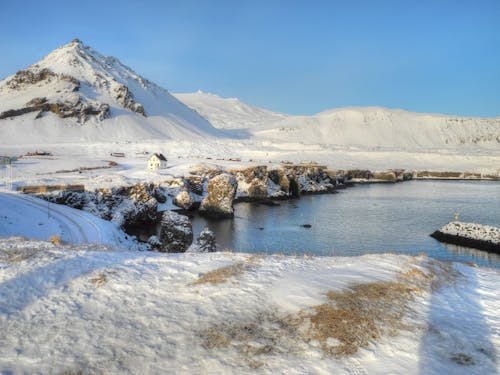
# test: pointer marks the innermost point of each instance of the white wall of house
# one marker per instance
(155, 163)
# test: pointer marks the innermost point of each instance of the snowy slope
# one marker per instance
(229, 113)
(82, 89)
(68, 310)
(25, 216)
(374, 127)
(363, 127)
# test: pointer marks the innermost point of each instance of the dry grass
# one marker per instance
(99, 280)
(56, 240)
(352, 319)
(347, 321)
(223, 274)
(17, 255)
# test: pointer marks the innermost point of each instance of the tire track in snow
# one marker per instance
(62, 218)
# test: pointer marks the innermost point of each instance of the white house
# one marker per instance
(157, 161)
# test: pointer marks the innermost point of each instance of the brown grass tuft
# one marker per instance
(56, 240)
(221, 275)
(347, 321)
(99, 280)
(352, 318)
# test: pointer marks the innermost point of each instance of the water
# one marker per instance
(376, 218)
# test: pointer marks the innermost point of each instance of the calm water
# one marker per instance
(364, 219)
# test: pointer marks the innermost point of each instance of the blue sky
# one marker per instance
(298, 57)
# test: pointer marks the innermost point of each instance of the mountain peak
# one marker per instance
(77, 83)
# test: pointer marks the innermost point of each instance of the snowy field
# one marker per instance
(88, 310)
(183, 156)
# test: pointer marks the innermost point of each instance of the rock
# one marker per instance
(176, 233)
(252, 182)
(205, 243)
(358, 174)
(159, 194)
(310, 178)
(388, 176)
(154, 242)
(124, 97)
(184, 200)
(195, 184)
(278, 177)
(221, 191)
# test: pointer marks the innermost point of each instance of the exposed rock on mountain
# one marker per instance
(80, 86)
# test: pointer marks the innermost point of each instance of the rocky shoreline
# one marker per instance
(138, 209)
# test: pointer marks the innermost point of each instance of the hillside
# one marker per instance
(230, 113)
(77, 94)
(361, 127)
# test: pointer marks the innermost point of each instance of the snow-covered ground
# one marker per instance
(184, 156)
(473, 231)
(23, 215)
(85, 310)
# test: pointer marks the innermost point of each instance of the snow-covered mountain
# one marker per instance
(230, 113)
(375, 127)
(363, 127)
(75, 93)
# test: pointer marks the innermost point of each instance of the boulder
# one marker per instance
(154, 242)
(388, 176)
(278, 177)
(176, 232)
(184, 199)
(205, 243)
(221, 191)
(252, 182)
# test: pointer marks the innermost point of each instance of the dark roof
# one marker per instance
(161, 157)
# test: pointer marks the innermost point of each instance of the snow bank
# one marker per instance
(71, 310)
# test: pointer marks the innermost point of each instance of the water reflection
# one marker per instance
(474, 253)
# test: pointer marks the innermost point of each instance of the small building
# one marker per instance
(157, 161)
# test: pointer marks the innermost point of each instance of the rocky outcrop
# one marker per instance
(221, 191)
(308, 178)
(252, 183)
(129, 206)
(79, 109)
(279, 178)
(125, 98)
(205, 243)
(388, 176)
(483, 237)
(392, 175)
(176, 233)
(359, 174)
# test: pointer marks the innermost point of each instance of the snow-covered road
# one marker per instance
(30, 217)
